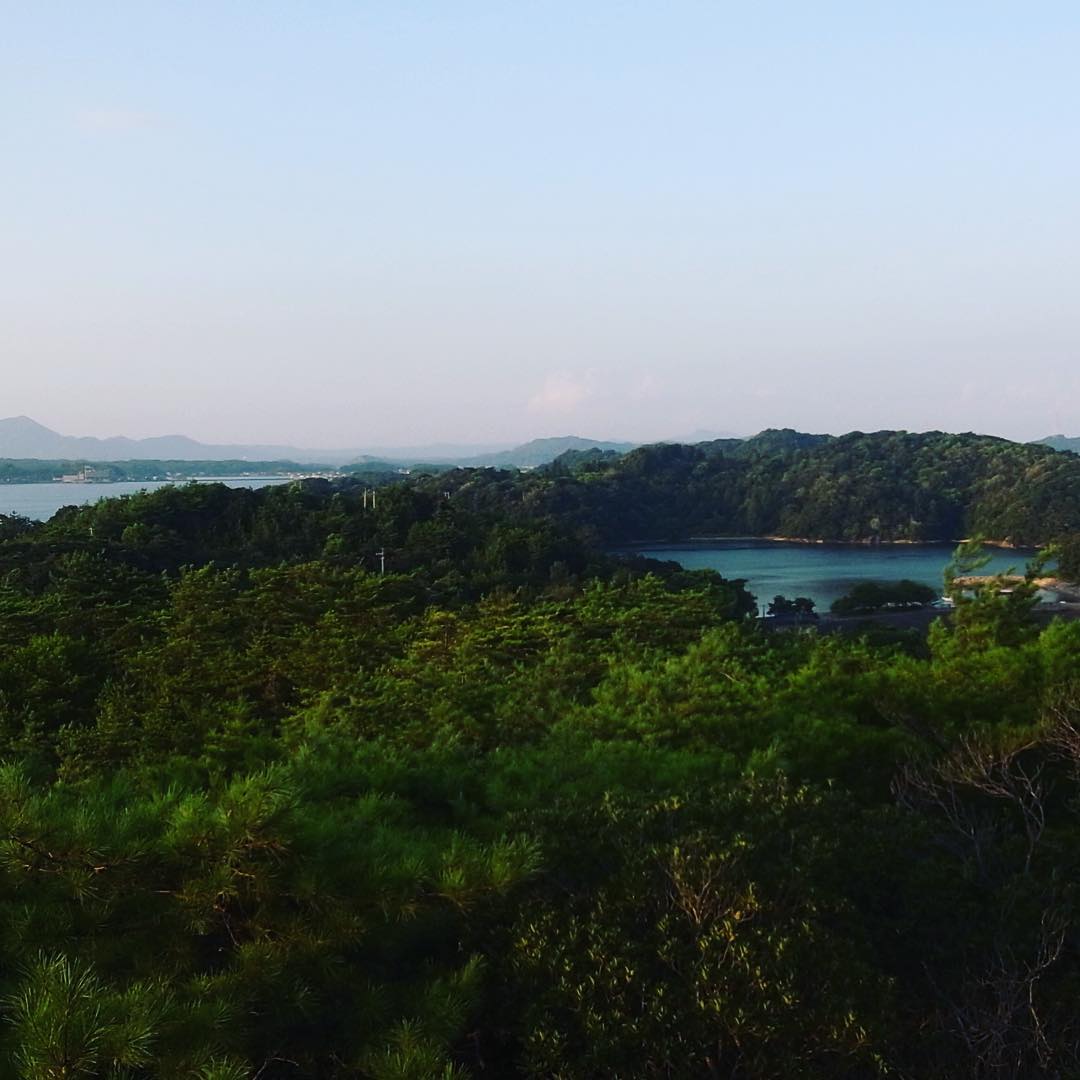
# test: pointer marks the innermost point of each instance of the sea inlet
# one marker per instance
(823, 572)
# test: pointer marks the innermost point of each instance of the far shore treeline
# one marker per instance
(40, 471)
(296, 783)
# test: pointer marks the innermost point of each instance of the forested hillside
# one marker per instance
(885, 486)
(512, 808)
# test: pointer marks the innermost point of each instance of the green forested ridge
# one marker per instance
(513, 808)
(887, 486)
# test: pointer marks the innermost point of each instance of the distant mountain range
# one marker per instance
(22, 437)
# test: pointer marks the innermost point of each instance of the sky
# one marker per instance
(365, 223)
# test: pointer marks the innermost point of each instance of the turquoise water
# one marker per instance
(823, 572)
(40, 501)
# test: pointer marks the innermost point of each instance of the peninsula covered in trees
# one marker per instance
(883, 487)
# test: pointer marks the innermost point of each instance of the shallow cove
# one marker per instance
(822, 572)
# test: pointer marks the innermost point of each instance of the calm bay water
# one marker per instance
(40, 501)
(822, 572)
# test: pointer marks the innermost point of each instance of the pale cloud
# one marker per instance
(114, 121)
(645, 388)
(561, 393)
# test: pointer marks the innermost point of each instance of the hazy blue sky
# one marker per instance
(340, 223)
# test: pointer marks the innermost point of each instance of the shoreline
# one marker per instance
(55, 482)
(694, 541)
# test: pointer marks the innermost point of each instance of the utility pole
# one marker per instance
(381, 553)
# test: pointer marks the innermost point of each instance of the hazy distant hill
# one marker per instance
(543, 451)
(22, 437)
(1061, 442)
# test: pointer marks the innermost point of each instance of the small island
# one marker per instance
(870, 597)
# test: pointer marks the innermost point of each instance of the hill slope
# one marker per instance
(884, 486)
